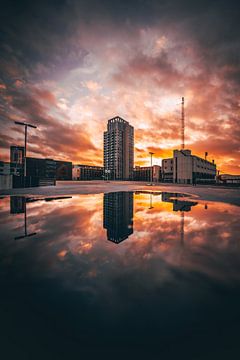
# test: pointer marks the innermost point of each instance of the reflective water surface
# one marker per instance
(152, 275)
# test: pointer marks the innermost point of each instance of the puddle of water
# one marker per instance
(88, 270)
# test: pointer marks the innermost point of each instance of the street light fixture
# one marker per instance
(107, 172)
(26, 125)
(151, 154)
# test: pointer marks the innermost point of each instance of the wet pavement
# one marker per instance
(122, 274)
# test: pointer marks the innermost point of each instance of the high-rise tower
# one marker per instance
(118, 150)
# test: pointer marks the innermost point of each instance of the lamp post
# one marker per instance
(107, 172)
(26, 125)
(151, 154)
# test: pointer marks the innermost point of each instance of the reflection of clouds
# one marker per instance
(71, 244)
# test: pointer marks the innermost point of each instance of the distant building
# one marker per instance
(17, 155)
(118, 215)
(40, 172)
(42, 168)
(63, 170)
(118, 150)
(49, 169)
(87, 172)
(167, 170)
(144, 173)
(229, 179)
(7, 168)
(185, 168)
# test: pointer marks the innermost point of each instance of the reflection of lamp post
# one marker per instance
(26, 234)
(25, 146)
(151, 154)
(182, 228)
(150, 205)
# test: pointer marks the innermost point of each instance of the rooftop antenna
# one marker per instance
(183, 125)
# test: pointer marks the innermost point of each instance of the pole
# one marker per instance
(25, 147)
(151, 171)
(25, 157)
(151, 174)
(150, 204)
(183, 124)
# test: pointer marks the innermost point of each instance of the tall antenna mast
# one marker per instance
(183, 125)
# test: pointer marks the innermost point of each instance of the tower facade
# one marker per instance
(118, 150)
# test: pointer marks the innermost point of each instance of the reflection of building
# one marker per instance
(143, 173)
(178, 204)
(119, 149)
(118, 215)
(185, 168)
(17, 205)
(87, 172)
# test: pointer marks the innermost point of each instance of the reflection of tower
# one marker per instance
(118, 215)
(18, 205)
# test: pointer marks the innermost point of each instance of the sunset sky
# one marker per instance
(69, 66)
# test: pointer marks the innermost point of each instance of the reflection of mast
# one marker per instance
(179, 205)
(182, 229)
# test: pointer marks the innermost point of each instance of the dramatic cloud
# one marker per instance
(69, 66)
